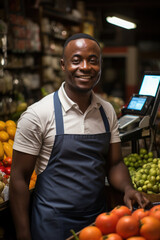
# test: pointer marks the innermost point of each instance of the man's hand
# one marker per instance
(132, 197)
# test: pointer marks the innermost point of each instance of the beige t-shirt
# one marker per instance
(36, 127)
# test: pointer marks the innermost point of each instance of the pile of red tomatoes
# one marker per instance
(121, 223)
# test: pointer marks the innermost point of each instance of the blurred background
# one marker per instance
(32, 34)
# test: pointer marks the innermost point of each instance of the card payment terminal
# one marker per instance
(141, 105)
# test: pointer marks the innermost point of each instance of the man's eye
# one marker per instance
(93, 61)
(75, 61)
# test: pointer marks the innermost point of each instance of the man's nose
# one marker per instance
(85, 65)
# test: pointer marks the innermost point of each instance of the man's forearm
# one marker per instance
(119, 177)
(19, 197)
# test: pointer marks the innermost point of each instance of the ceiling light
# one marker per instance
(119, 21)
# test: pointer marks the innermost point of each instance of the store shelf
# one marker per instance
(63, 16)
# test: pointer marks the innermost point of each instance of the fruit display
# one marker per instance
(144, 171)
(33, 180)
(20, 108)
(123, 224)
(7, 134)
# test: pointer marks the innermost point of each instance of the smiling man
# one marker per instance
(82, 65)
(71, 139)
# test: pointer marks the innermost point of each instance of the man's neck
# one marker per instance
(83, 99)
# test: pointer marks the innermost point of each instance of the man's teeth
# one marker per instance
(87, 77)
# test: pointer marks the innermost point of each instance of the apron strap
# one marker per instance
(105, 120)
(58, 115)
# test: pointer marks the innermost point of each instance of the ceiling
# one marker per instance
(146, 13)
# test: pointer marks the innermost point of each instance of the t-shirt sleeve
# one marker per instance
(114, 130)
(28, 138)
(113, 122)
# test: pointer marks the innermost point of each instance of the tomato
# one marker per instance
(127, 226)
(136, 238)
(121, 210)
(106, 222)
(150, 228)
(2, 168)
(111, 236)
(6, 176)
(156, 207)
(7, 161)
(155, 213)
(90, 233)
(8, 170)
(140, 213)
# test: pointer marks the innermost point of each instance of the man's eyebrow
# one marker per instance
(93, 55)
(76, 55)
(79, 55)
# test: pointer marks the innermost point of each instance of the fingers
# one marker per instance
(142, 200)
(136, 197)
(129, 205)
(128, 202)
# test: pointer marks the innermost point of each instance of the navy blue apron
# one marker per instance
(69, 193)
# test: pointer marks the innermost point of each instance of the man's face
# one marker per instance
(81, 64)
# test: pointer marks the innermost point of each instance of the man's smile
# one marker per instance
(84, 77)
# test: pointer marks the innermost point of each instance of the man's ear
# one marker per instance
(62, 64)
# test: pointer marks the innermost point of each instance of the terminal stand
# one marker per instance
(135, 134)
(132, 135)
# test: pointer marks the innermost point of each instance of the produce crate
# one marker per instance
(77, 233)
(72, 237)
(154, 198)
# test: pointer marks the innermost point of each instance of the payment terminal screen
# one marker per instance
(149, 85)
(136, 103)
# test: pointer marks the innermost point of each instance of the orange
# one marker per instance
(34, 176)
(31, 184)
(10, 123)
(11, 132)
(2, 125)
(90, 233)
(33, 180)
(4, 136)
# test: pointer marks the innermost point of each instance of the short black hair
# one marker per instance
(78, 36)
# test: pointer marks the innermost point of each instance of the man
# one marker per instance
(71, 138)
